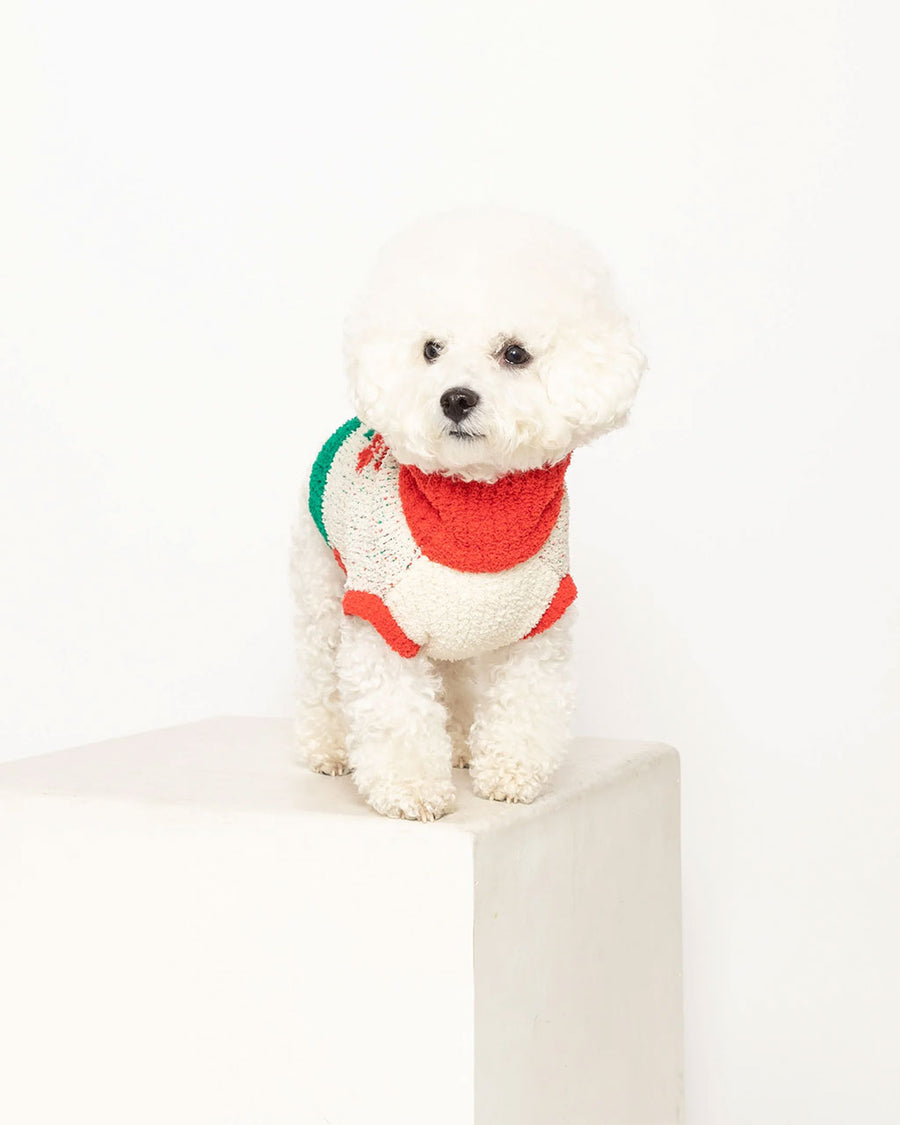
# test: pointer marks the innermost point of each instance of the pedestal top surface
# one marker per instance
(242, 764)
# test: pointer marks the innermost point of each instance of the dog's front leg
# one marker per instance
(398, 745)
(521, 725)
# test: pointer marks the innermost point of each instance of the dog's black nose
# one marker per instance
(458, 402)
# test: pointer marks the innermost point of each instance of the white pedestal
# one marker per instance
(195, 931)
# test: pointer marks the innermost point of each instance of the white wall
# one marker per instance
(188, 196)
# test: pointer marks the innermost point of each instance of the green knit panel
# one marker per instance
(319, 474)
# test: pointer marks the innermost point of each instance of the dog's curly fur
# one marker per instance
(473, 282)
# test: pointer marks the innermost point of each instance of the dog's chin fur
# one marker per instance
(473, 281)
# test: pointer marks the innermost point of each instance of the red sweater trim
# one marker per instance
(562, 599)
(358, 603)
(480, 527)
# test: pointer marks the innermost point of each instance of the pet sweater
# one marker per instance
(439, 565)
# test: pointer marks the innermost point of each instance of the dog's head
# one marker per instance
(488, 341)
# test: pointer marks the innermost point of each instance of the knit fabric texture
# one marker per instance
(479, 527)
(438, 565)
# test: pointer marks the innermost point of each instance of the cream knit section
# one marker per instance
(451, 614)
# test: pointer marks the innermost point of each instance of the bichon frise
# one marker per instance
(431, 571)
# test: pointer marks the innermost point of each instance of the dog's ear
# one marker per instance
(372, 358)
(594, 378)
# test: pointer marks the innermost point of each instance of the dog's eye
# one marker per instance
(515, 355)
(432, 350)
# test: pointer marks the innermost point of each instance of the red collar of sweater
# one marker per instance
(482, 527)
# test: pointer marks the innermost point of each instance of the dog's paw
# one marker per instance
(333, 767)
(322, 755)
(412, 800)
(505, 779)
(462, 755)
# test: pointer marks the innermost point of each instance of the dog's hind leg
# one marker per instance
(521, 725)
(459, 679)
(318, 587)
(399, 748)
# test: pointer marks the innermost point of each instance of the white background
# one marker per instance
(189, 194)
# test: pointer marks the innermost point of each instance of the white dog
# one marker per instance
(431, 570)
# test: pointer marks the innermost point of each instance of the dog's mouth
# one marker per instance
(463, 435)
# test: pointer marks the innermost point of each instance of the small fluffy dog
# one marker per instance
(430, 571)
